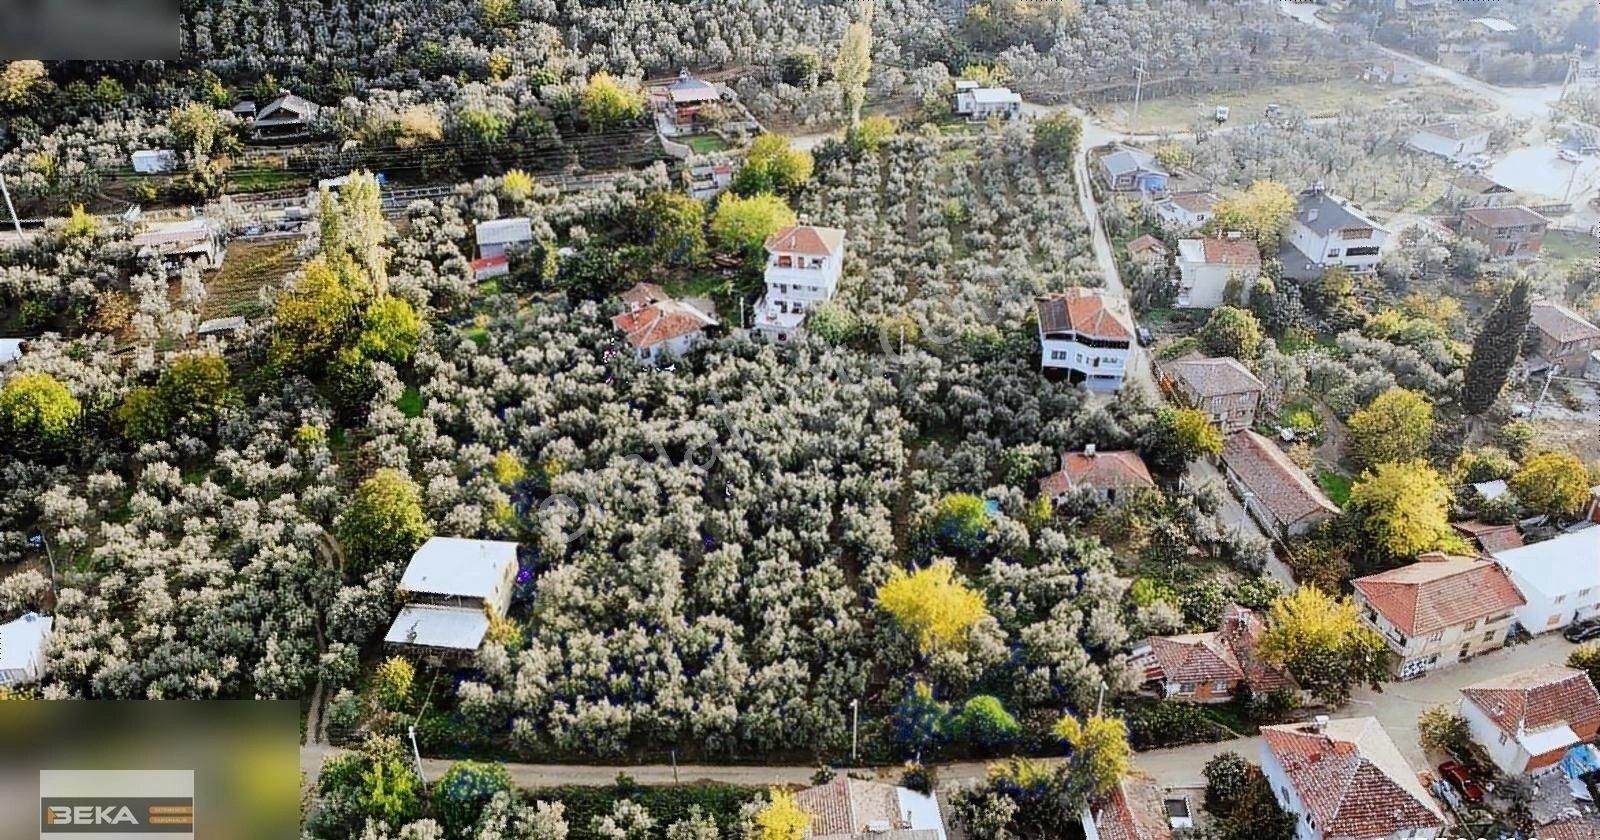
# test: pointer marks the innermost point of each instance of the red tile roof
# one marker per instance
(1239, 251)
(1133, 810)
(1196, 202)
(1561, 323)
(1439, 591)
(1227, 654)
(1352, 778)
(1241, 630)
(1279, 485)
(1083, 311)
(1538, 698)
(1504, 216)
(653, 318)
(806, 239)
(1146, 243)
(1490, 538)
(1102, 470)
(847, 806)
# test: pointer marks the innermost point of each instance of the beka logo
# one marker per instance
(90, 815)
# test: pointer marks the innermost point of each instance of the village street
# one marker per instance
(1396, 707)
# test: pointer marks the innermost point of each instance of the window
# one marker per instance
(1560, 598)
(1489, 636)
(1554, 620)
(1355, 233)
(1503, 737)
(1437, 637)
(1221, 685)
(1366, 251)
(1582, 593)
(1333, 252)
(1494, 619)
(1185, 688)
(1058, 355)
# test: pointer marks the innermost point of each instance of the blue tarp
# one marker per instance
(1580, 760)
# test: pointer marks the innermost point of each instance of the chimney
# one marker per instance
(683, 74)
(1088, 450)
(1319, 723)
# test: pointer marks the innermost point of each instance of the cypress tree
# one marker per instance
(1495, 350)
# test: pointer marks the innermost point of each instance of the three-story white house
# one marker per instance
(1327, 230)
(1081, 334)
(804, 263)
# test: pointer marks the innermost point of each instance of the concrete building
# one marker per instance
(656, 326)
(1528, 720)
(1510, 233)
(1108, 476)
(451, 587)
(1327, 231)
(1081, 334)
(1206, 267)
(1438, 611)
(1222, 388)
(1564, 337)
(1186, 210)
(23, 643)
(1345, 779)
(804, 264)
(981, 103)
(1559, 579)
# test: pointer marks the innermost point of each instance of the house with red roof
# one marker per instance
(1108, 476)
(1212, 667)
(804, 263)
(1528, 720)
(1439, 610)
(655, 325)
(1148, 251)
(1206, 267)
(855, 809)
(1275, 492)
(1346, 779)
(1133, 810)
(1081, 332)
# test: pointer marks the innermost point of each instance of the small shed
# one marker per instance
(222, 326)
(497, 236)
(154, 161)
(22, 647)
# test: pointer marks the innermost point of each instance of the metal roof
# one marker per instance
(460, 567)
(1331, 213)
(22, 640)
(505, 231)
(426, 625)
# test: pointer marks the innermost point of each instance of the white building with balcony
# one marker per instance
(1080, 333)
(1326, 231)
(804, 264)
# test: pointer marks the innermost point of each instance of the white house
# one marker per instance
(461, 572)
(175, 243)
(1560, 578)
(451, 586)
(498, 236)
(1205, 266)
(1186, 210)
(1346, 780)
(1453, 140)
(656, 325)
(22, 648)
(1326, 231)
(980, 103)
(1081, 334)
(154, 161)
(1528, 720)
(804, 264)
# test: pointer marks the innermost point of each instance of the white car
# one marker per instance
(1222, 113)
(1570, 156)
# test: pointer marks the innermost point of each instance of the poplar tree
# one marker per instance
(1495, 349)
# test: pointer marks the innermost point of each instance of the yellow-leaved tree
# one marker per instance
(1261, 212)
(781, 818)
(933, 606)
(1405, 507)
(1396, 426)
(1323, 642)
(1098, 753)
(1555, 483)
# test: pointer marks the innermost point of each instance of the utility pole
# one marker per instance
(1570, 179)
(1574, 63)
(855, 727)
(10, 208)
(412, 731)
(674, 766)
(1138, 89)
(1100, 702)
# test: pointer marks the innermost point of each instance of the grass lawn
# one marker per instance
(1565, 245)
(411, 402)
(1337, 486)
(1314, 99)
(234, 288)
(478, 335)
(700, 285)
(262, 180)
(705, 144)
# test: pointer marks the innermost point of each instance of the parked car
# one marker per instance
(1144, 336)
(1570, 156)
(1222, 113)
(1582, 631)
(1456, 774)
